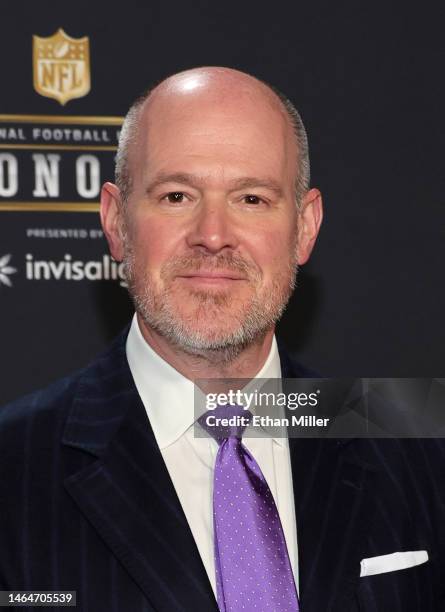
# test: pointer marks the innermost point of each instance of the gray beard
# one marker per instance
(252, 323)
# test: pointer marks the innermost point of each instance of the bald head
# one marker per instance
(215, 83)
(210, 93)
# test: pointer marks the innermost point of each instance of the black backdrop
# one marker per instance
(368, 80)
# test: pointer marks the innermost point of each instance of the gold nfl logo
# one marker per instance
(61, 66)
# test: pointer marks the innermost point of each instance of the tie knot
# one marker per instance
(228, 421)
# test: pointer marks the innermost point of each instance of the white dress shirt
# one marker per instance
(168, 398)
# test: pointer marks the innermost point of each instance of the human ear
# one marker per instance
(309, 221)
(111, 219)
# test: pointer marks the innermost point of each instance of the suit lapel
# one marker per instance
(126, 492)
(333, 506)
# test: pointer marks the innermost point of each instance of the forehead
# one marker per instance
(221, 136)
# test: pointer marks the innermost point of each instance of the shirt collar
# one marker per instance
(167, 395)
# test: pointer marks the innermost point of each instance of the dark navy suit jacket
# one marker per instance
(87, 504)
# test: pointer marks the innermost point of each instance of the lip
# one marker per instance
(214, 275)
(216, 279)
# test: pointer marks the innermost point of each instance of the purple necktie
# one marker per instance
(253, 571)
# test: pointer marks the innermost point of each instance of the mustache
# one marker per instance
(221, 261)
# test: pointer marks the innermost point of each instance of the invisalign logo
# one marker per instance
(74, 270)
(6, 270)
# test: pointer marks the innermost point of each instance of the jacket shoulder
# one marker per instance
(42, 403)
(54, 400)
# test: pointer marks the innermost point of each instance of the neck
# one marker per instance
(243, 363)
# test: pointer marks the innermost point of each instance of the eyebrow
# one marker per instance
(196, 181)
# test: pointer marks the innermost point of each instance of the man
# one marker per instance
(104, 487)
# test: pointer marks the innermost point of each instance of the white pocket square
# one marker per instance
(392, 562)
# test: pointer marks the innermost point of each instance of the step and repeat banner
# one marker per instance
(366, 80)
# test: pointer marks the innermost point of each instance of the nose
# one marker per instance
(212, 229)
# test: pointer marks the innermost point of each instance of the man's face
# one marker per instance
(211, 222)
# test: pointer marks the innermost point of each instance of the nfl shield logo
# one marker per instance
(61, 66)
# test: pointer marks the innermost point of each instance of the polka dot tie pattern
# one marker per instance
(253, 571)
